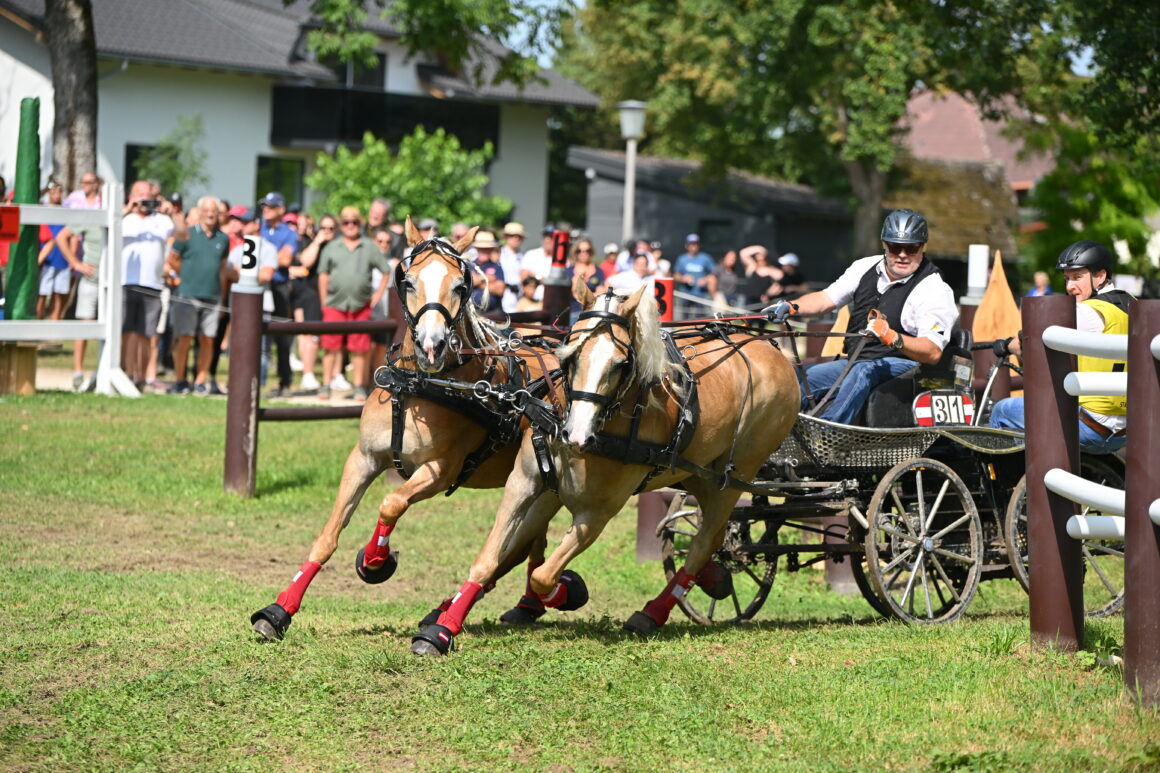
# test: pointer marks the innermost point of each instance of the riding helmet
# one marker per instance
(904, 226)
(1086, 254)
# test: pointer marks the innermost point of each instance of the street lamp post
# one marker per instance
(631, 129)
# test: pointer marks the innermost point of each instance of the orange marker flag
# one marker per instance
(997, 315)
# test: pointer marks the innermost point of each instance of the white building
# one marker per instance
(268, 108)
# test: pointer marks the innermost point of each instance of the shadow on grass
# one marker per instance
(285, 482)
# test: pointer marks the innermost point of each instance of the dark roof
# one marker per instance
(232, 35)
(263, 36)
(741, 190)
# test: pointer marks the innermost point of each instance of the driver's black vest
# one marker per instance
(890, 303)
(1118, 298)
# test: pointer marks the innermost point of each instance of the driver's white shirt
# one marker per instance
(929, 312)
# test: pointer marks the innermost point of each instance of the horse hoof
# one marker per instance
(271, 622)
(641, 624)
(431, 618)
(433, 640)
(577, 591)
(521, 616)
(380, 574)
(716, 581)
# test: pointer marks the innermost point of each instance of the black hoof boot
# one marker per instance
(271, 622)
(521, 615)
(431, 618)
(641, 624)
(375, 576)
(716, 581)
(577, 591)
(433, 640)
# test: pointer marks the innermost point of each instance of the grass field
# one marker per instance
(124, 627)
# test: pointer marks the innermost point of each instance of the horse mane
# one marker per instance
(652, 359)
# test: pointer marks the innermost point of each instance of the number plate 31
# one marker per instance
(943, 408)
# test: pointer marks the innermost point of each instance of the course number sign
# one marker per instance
(943, 408)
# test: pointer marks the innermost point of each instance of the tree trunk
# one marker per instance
(72, 48)
(869, 184)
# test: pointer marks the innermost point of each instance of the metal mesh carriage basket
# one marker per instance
(828, 444)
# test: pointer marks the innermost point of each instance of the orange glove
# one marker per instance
(877, 326)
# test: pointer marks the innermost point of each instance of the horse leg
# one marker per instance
(561, 588)
(360, 469)
(698, 569)
(529, 608)
(523, 517)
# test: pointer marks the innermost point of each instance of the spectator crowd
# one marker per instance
(178, 264)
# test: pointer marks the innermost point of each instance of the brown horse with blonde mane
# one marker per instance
(448, 338)
(625, 379)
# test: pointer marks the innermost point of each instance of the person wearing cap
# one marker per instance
(1100, 308)
(915, 313)
(538, 261)
(608, 265)
(511, 255)
(793, 280)
(345, 284)
(488, 282)
(274, 230)
(91, 243)
(693, 273)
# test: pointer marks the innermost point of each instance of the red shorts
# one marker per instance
(355, 342)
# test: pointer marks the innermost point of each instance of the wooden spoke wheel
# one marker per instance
(924, 547)
(1103, 560)
(752, 569)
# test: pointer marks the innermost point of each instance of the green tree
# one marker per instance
(462, 33)
(1097, 193)
(431, 175)
(808, 91)
(178, 160)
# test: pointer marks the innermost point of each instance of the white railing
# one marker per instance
(1104, 499)
(107, 328)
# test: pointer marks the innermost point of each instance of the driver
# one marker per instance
(915, 308)
(1100, 308)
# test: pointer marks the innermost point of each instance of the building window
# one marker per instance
(356, 75)
(133, 154)
(281, 174)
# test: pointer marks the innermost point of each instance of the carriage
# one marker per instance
(924, 503)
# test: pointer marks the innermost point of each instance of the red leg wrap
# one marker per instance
(291, 598)
(461, 604)
(658, 609)
(377, 550)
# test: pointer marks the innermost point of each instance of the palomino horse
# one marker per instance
(615, 356)
(447, 337)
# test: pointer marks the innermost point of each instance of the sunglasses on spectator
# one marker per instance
(903, 249)
(88, 182)
(351, 222)
(326, 227)
(583, 249)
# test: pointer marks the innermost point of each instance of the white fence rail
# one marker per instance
(110, 378)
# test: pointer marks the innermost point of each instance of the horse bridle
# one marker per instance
(607, 319)
(442, 248)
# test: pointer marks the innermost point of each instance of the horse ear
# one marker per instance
(466, 241)
(633, 301)
(582, 293)
(413, 236)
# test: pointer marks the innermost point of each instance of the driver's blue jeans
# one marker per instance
(1008, 414)
(855, 389)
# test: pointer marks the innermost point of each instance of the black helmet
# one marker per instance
(904, 226)
(1086, 254)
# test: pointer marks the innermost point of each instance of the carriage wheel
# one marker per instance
(1103, 560)
(752, 573)
(924, 548)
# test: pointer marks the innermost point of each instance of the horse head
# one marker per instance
(614, 343)
(434, 283)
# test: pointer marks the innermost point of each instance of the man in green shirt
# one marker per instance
(197, 269)
(347, 291)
